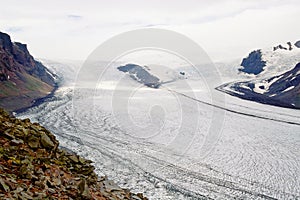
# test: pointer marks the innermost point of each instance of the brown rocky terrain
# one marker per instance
(32, 166)
(22, 78)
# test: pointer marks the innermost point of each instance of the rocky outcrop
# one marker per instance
(253, 64)
(141, 75)
(297, 44)
(22, 78)
(289, 47)
(32, 166)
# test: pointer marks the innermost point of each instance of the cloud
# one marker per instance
(72, 29)
(153, 25)
(13, 29)
(74, 17)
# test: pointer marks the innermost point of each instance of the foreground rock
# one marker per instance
(33, 167)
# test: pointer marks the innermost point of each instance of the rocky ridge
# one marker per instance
(32, 166)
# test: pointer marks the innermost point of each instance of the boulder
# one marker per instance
(46, 141)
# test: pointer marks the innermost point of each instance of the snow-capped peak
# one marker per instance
(272, 61)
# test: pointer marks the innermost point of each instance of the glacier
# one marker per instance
(255, 156)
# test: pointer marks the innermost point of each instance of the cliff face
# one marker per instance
(22, 79)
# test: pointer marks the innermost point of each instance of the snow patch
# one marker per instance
(288, 89)
(234, 91)
(278, 62)
(259, 90)
(264, 86)
(245, 86)
(51, 74)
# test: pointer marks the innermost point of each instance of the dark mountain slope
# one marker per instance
(271, 77)
(22, 78)
(282, 90)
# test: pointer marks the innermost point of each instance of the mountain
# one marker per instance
(22, 78)
(271, 77)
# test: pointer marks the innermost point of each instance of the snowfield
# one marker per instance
(256, 154)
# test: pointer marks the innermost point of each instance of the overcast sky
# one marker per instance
(226, 29)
